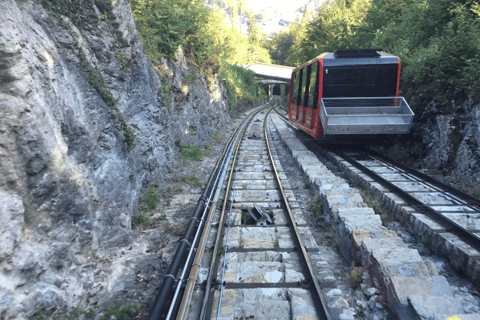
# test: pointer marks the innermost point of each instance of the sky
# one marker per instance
(277, 10)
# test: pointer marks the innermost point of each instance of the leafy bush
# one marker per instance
(165, 25)
(444, 58)
(142, 220)
(162, 217)
(438, 41)
(239, 82)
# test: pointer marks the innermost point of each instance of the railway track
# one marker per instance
(272, 256)
(440, 213)
(446, 219)
(251, 255)
(245, 268)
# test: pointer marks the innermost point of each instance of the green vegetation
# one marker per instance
(222, 250)
(332, 239)
(189, 77)
(74, 11)
(275, 243)
(76, 313)
(438, 41)
(374, 201)
(165, 25)
(193, 181)
(209, 41)
(119, 310)
(142, 220)
(239, 82)
(217, 137)
(149, 200)
(38, 315)
(356, 278)
(435, 172)
(317, 209)
(247, 218)
(162, 217)
(306, 184)
(190, 152)
(90, 313)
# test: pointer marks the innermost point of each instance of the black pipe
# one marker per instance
(182, 249)
(169, 279)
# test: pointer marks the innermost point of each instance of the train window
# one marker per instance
(307, 87)
(360, 81)
(299, 89)
(296, 84)
(313, 87)
(304, 78)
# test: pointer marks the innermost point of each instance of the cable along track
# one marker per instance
(255, 271)
(452, 216)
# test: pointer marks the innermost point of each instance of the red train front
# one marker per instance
(347, 93)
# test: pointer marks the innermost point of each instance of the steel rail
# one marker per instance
(414, 178)
(169, 279)
(460, 194)
(452, 226)
(322, 309)
(205, 312)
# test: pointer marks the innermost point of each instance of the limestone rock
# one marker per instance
(69, 186)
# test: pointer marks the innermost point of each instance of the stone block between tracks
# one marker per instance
(431, 307)
(404, 287)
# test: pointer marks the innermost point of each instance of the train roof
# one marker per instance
(353, 57)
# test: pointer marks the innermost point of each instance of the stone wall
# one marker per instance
(69, 184)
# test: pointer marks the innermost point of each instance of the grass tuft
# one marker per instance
(142, 220)
(356, 277)
(149, 201)
(190, 152)
(217, 137)
(119, 310)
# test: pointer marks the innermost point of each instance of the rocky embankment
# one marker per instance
(87, 123)
(444, 141)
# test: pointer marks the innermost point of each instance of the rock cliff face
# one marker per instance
(447, 143)
(69, 182)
